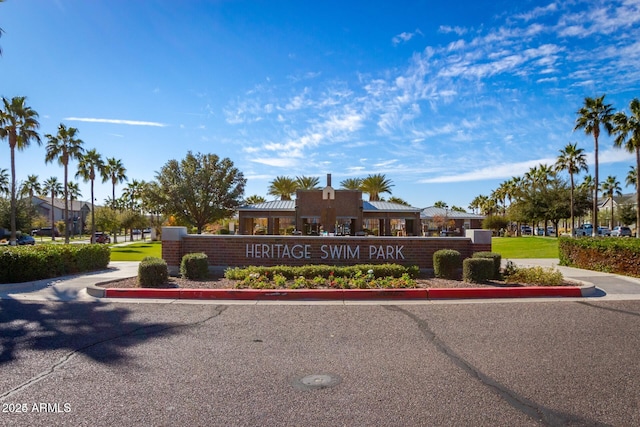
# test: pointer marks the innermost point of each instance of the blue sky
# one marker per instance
(447, 99)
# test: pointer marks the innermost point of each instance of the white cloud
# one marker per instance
(404, 37)
(457, 30)
(115, 121)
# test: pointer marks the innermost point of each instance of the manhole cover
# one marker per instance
(317, 381)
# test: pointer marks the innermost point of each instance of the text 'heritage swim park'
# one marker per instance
(334, 227)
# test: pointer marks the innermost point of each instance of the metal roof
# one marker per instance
(290, 206)
(387, 207)
(432, 211)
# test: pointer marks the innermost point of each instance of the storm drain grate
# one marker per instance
(317, 381)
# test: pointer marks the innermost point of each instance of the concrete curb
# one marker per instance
(344, 294)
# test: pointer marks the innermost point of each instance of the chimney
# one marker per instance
(328, 180)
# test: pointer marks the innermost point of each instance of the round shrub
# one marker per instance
(194, 266)
(477, 270)
(497, 260)
(446, 263)
(152, 272)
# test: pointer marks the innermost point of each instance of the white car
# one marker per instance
(621, 232)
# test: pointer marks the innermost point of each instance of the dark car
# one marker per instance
(101, 237)
(25, 239)
(45, 231)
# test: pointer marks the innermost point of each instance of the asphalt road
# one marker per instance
(499, 364)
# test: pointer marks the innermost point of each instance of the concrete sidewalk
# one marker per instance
(74, 288)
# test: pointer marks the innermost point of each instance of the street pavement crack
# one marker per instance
(218, 310)
(531, 409)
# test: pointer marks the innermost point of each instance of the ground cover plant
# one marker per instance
(525, 247)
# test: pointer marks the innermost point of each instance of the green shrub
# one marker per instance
(610, 255)
(497, 260)
(533, 276)
(311, 271)
(26, 263)
(446, 263)
(152, 272)
(194, 266)
(477, 270)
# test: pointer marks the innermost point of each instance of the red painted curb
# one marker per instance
(510, 292)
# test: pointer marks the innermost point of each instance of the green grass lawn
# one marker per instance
(136, 251)
(525, 247)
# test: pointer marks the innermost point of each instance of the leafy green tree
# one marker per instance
(352, 184)
(25, 214)
(64, 146)
(573, 160)
(30, 187)
(627, 214)
(376, 184)
(19, 124)
(610, 188)
(308, 182)
(53, 188)
(283, 187)
(132, 194)
(90, 166)
(627, 129)
(105, 219)
(495, 223)
(200, 189)
(131, 219)
(593, 115)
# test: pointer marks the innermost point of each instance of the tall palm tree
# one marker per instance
(611, 187)
(89, 166)
(308, 182)
(283, 187)
(132, 193)
(594, 114)
(30, 187)
(73, 190)
(4, 182)
(19, 124)
(573, 160)
(627, 129)
(376, 184)
(254, 200)
(64, 146)
(352, 184)
(54, 188)
(114, 170)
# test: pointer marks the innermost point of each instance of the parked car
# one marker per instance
(525, 230)
(45, 231)
(583, 230)
(25, 239)
(604, 231)
(621, 232)
(101, 237)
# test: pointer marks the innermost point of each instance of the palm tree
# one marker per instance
(30, 187)
(398, 200)
(132, 193)
(54, 188)
(352, 184)
(65, 147)
(632, 177)
(254, 200)
(282, 186)
(374, 185)
(4, 181)
(19, 124)
(610, 188)
(89, 165)
(573, 160)
(73, 189)
(591, 116)
(627, 129)
(308, 182)
(114, 170)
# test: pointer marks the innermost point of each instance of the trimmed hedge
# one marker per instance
(446, 263)
(194, 266)
(311, 271)
(152, 272)
(497, 260)
(477, 270)
(609, 255)
(27, 263)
